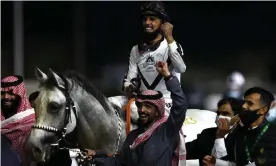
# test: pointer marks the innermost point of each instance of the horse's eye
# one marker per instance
(54, 107)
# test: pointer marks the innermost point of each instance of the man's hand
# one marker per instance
(223, 128)
(167, 29)
(209, 160)
(90, 153)
(235, 120)
(162, 68)
(130, 90)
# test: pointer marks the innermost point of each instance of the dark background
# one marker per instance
(217, 38)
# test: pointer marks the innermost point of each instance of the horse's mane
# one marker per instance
(87, 85)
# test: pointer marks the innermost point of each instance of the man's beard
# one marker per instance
(150, 36)
(146, 124)
(11, 110)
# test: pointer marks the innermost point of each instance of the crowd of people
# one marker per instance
(246, 121)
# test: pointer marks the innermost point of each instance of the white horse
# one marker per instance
(67, 103)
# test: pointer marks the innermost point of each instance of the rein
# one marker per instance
(137, 83)
(127, 108)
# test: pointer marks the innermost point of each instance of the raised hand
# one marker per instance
(223, 128)
(167, 29)
(162, 68)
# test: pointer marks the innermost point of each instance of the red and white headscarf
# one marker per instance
(157, 100)
(179, 158)
(18, 127)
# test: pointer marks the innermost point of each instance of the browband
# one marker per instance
(159, 95)
(15, 83)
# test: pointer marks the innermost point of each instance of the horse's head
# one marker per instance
(53, 108)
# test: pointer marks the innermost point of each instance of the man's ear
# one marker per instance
(263, 111)
(157, 112)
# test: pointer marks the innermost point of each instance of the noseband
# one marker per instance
(69, 104)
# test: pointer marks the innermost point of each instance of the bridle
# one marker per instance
(68, 106)
(71, 105)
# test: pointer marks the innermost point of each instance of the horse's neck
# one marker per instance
(91, 106)
(97, 127)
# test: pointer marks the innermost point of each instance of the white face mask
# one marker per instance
(222, 117)
(271, 116)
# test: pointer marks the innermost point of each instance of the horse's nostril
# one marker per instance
(37, 152)
(39, 155)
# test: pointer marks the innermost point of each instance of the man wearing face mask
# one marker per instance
(157, 44)
(253, 142)
(17, 115)
(211, 140)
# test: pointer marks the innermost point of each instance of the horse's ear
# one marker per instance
(40, 76)
(56, 79)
